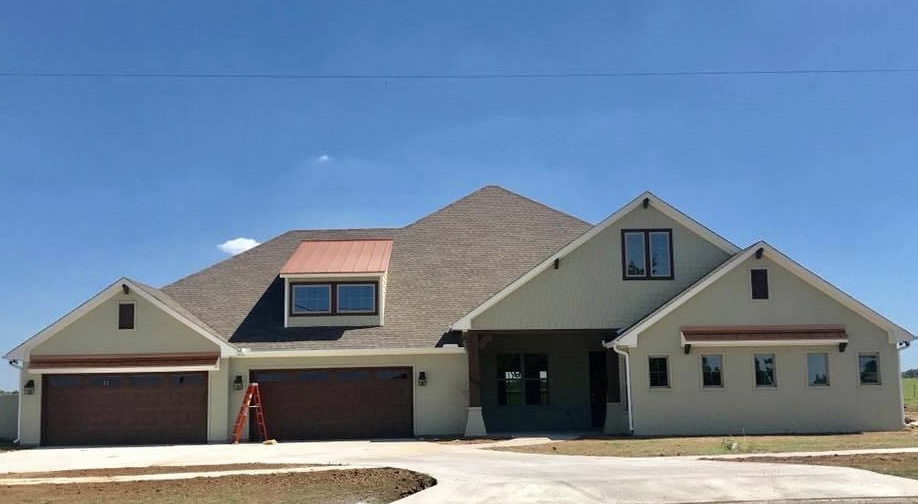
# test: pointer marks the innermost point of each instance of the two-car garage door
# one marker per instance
(337, 403)
(127, 408)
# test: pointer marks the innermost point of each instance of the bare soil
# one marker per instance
(372, 486)
(132, 471)
(896, 464)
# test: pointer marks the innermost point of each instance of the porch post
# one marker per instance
(616, 408)
(474, 425)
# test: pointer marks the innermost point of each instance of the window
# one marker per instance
(352, 375)
(333, 298)
(758, 279)
(817, 369)
(647, 254)
(522, 379)
(712, 371)
(311, 299)
(659, 371)
(765, 370)
(125, 315)
(869, 368)
(357, 298)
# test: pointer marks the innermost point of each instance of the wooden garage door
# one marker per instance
(337, 403)
(136, 408)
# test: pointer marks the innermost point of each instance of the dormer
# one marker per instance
(336, 283)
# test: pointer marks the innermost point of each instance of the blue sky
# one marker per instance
(104, 177)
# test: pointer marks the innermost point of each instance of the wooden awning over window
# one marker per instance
(192, 361)
(764, 335)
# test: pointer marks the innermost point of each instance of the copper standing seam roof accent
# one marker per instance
(339, 256)
(124, 360)
(763, 333)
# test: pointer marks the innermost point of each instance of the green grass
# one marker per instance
(910, 393)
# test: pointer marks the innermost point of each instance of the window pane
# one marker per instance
(765, 370)
(759, 280)
(634, 254)
(510, 392)
(509, 366)
(311, 299)
(869, 367)
(659, 255)
(711, 371)
(352, 375)
(311, 376)
(536, 365)
(817, 369)
(357, 298)
(659, 377)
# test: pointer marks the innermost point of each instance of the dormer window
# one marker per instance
(336, 283)
(647, 254)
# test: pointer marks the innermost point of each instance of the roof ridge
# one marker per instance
(503, 190)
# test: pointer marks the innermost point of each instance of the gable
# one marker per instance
(796, 297)
(587, 290)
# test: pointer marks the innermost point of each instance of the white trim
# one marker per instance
(22, 351)
(465, 323)
(896, 333)
(123, 369)
(272, 354)
(331, 277)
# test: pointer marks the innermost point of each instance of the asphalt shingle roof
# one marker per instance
(442, 266)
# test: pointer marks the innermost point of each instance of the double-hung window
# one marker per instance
(712, 371)
(869, 368)
(658, 368)
(817, 369)
(647, 254)
(765, 370)
(522, 379)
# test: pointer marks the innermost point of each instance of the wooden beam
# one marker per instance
(471, 348)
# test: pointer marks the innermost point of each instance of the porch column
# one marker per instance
(616, 409)
(474, 424)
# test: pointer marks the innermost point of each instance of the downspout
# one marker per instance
(18, 365)
(627, 387)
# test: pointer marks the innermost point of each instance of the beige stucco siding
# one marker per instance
(97, 332)
(793, 406)
(439, 407)
(587, 291)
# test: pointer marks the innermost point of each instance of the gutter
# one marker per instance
(628, 380)
(18, 365)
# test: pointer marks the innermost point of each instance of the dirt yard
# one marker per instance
(897, 464)
(720, 445)
(131, 471)
(372, 486)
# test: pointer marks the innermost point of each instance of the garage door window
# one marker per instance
(311, 376)
(352, 375)
(104, 382)
(269, 377)
(65, 381)
(391, 375)
(145, 381)
(189, 379)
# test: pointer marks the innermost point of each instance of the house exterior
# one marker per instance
(494, 314)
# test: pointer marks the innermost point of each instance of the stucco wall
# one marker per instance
(97, 332)
(30, 411)
(9, 416)
(587, 291)
(793, 406)
(439, 407)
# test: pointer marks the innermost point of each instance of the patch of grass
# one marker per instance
(904, 465)
(717, 445)
(910, 396)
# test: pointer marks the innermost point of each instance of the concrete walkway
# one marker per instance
(469, 474)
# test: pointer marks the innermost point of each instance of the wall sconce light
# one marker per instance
(422, 378)
(29, 388)
(237, 383)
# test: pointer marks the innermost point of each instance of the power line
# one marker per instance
(448, 76)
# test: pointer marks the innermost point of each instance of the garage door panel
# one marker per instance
(337, 403)
(162, 408)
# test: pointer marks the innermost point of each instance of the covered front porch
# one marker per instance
(544, 381)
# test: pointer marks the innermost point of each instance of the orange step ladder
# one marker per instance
(251, 400)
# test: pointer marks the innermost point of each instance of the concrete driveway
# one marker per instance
(469, 474)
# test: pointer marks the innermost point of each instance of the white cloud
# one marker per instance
(324, 158)
(237, 245)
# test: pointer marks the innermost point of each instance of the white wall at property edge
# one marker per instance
(9, 416)
(587, 291)
(687, 408)
(97, 332)
(439, 407)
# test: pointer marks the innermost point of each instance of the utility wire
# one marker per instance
(446, 76)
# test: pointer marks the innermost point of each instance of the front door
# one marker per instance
(598, 386)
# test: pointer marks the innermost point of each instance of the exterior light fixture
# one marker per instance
(237, 383)
(422, 378)
(29, 388)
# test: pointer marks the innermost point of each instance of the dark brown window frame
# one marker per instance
(124, 325)
(762, 293)
(647, 275)
(333, 301)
